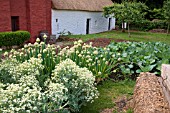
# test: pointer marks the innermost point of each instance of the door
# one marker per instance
(15, 23)
(88, 25)
(109, 25)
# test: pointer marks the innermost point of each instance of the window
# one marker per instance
(15, 23)
(95, 22)
(57, 25)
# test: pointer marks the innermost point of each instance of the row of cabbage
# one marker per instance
(45, 78)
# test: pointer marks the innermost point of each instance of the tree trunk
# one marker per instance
(128, 29)
(123, 27)
(168, 29)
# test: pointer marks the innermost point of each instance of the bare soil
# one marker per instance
(122, 105)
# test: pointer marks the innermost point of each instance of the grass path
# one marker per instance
(109, 91)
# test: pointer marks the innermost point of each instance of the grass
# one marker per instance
(109, 91)
(135, 36)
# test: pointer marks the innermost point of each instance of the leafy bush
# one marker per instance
(9, 39)
(146, 25)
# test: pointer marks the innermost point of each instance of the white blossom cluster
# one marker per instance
(25, 93)
(78, 81)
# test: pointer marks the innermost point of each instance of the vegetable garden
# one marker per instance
(43, 78)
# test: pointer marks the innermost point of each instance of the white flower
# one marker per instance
(53, 52)
(45, 50)
(25, 46)
(6, 54)
(119, 59)
(29, 45)
(91, 43)
(95, 52)
(36, 44)
(80, 55)
(45, 36)
(114, 71)
(39, 55)
(0, 49)
(75, 43)
(42, 43)
(58, 46)
(113, 55)
(118, 54)
(80, 41)
(37, 40)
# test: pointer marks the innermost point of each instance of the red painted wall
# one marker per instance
(39, 17)
(18, 8)
(34, 15)
(5, 18)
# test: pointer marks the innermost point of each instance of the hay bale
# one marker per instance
(149, 96)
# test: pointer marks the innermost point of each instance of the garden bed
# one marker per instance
(149, 96)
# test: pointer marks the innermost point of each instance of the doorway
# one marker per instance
(15, 23)
(88, 25)
(109, 26)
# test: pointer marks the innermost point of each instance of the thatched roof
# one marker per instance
(83, 5)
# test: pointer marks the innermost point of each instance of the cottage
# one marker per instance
(54, 16)
(80, 16)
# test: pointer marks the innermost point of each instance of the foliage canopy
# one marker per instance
(166, 8)
(126, 11)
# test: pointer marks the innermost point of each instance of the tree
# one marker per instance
(126, 12)
(166, 8)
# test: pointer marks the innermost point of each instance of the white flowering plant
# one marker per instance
(78, 81)
(97, 60)
(37, 50)
(24, 89)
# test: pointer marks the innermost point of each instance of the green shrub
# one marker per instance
(146, 25)
(9, 39)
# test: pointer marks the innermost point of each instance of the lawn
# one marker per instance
(135, 36)
(109, 91)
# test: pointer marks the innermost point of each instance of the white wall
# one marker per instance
(75, 22)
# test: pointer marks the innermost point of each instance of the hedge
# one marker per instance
(146, 25)
(9, 39)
